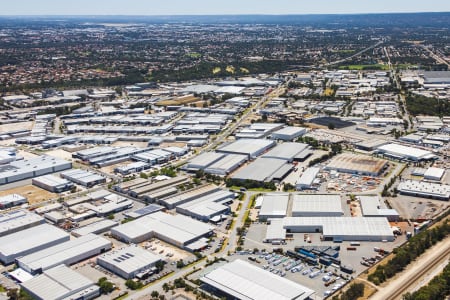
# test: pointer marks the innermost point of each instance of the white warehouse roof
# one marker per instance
(245, 281)
(274, 205)
(318, 205)
(406, 152)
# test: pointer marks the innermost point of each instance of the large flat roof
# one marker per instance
(176, 227)
(347, 162)
(17, 219)
(203, 160)
(60, 282)
(317, 203)
(129, 259)
(247, 146)
(262, 169)
(30, 238)
(287, 151)
(245, 281)
(406, 151)
(274, 204)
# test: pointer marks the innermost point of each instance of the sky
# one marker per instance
(216, 7)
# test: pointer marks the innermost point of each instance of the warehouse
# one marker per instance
(288, 133)
(126, 186)
(138, 190)
(242, 280)
(206, 207)
(129, 262)
(424, 189)
(434, 174)
(357, 164)
(203, 160)
(371, 207)
(307, 179)
(132, 168)
(274, 206)
(61, 282)
(250, 147)
(12, 200)
(52, 183)
(174, 201)
(98, 227)
(18, 220)
(177, 230)
(287, 151)
(226, 165)
(265, 170)
(335, 229)
(153, 157)
(317, 206)
(146, 210)
(108, 205)
(30, 240)
(84, 178)
(397, 151)
(29, 168)
(67, 253)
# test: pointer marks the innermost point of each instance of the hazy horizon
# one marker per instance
(231, 7)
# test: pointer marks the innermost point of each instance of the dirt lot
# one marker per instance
(128, 144)
(16, 126)
(59, 153)
(178, 101)
(34, 194)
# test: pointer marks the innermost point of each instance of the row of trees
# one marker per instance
(438, 288)
(250, 184)
(421, 105)
(355, 291)
(405, 254)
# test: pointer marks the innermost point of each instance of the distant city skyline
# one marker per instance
(230, 7)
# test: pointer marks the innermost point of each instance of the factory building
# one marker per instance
(206, 207)
(12, 200)
(242, 280)
(371, 207)
(226, 165)
(30, 240)
(98, 227)
(357, 164)
(60, 283)
(52, 183)
(147, 189)
(316, 206)
(203, 160)
(434, 174)
(265, 170)
(30, 168)
(146, 210)
(273, 206)
(250, 147)
(67, 253)
(18, 220)
(308, 179)
(424, 189)
(132, 168)
(82, 177)
(288, 133)
(335, 229)
(397, 151)
(177, 230)
(129, 262)
(289, 151)
(178, 199)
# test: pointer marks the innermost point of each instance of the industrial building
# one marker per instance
(288, 133)
(398, 151)
(12, 200)
(177, 230)
(132, 168)
(61, 283)
(371, 207)
(67, 253)
(206, 207)
(18, 220)
(178, 199)
(82, 177)
(433, 174)
(308, 179)
(95, 228)
(30, 240)
(357, 164)
(316, 205)
(226, 165)
(150, 190)
(146, 210)
(265, 170)
(274, 205)
(289, 151)
(109, 204)
(203, 160)
(250, 147)
(424, 189)
(129, 262)
(335, 229)
(52, 183)
(30, 168)
(242, 280)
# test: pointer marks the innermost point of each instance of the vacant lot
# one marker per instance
(34, 194)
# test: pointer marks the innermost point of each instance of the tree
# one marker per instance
(154, 294)
(106, 286)
(331, 126)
